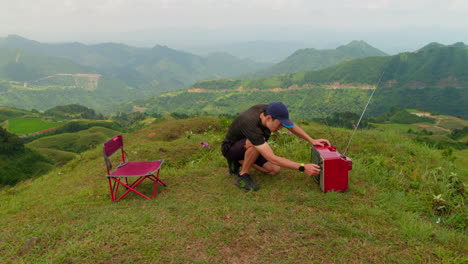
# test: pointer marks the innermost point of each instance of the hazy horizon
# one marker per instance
(207, 25)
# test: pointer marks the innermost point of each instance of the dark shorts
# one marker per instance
(236, 151)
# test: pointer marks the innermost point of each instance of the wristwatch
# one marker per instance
(301, 168)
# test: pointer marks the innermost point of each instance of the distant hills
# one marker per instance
(158, 68)
(434, 65)
(312, 59)
(260, 51)
(434, 78)
(40, 75)
(23, 66)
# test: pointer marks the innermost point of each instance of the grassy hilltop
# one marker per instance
(405, 204)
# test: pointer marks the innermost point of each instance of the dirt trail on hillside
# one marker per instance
(434, 126)
(335, 85)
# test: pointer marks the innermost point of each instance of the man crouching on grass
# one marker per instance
(245, 145)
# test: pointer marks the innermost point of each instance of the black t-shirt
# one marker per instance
(249, 125)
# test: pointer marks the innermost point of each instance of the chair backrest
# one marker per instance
(114, 144)
(110, 147)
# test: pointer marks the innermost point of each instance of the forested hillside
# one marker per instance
(159, 68)
(18, 162)
(116, 73)
(34, 81)
(73, 111)
(434, 78)
(307, 104)
(312, 59)
(432, 66)
(102, 97)
(8, 113)
(23, 66)
(38, 75)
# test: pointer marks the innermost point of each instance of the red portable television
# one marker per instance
(334, 168)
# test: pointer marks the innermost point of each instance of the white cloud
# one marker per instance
(458, 5)
(100, 17)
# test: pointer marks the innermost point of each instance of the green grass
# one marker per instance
(29, 125)
(386, 216)
(445, 126)
(74, 142)
(402, 128)
(452, 123)
(461, 157)
(9, 113)
(59, 157)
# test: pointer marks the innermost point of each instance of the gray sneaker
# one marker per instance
(234, 167)
(245, 182)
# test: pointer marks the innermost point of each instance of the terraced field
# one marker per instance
(30, 125)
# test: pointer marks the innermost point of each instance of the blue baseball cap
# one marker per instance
(279, 111)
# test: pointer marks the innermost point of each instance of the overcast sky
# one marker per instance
(93, 21)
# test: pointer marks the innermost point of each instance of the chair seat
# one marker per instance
(135, 169)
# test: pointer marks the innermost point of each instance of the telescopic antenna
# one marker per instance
(362, 114)
(324, 118)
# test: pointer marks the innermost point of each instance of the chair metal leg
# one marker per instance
(130, 188)
(157, 182)
(111, 189)
(115, 183)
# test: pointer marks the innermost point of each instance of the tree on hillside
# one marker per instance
(73, 111)
(401, 116)
(459, 133)
(10, 143)
(344, 119)
(20, 72)
(127, 120)
(18, 162)
(4, 87)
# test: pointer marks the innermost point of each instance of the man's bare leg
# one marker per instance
(250, 156)
(268, 167)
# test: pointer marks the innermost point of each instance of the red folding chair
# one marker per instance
(138, 171)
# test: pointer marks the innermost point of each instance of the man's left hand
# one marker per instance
(320, 142)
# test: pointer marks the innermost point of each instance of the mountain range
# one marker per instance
(158, 68)
(434, 65)
(40, 75)
(433, 78)
(313, 59)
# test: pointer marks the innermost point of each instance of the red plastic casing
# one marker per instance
(334, 168)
